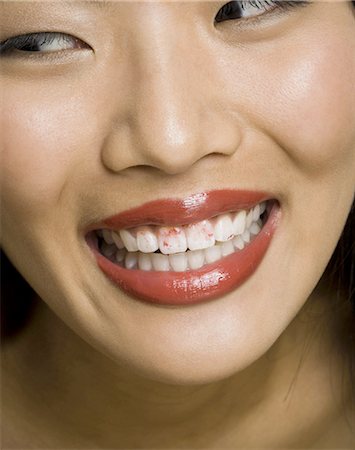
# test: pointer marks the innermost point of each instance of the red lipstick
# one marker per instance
(193, 286)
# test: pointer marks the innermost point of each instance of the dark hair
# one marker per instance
(340, 271)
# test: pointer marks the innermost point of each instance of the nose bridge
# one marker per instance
(170, 114)
(165, 115)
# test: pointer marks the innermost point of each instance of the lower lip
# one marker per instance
(194, 286)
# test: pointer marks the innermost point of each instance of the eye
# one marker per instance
(40, 43)
(244, 10)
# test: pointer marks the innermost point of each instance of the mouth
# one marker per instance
(182, 252)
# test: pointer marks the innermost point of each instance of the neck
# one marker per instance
(289, 387)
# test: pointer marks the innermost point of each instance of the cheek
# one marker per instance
(313, 105)
(40, 147)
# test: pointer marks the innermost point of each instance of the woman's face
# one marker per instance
(156, 100)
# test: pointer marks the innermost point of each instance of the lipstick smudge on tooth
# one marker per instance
(172, 240)
(229, 238)
(185, 248)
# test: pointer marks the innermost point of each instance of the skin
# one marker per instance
(166, 105)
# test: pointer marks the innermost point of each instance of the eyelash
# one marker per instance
(239, 5)
(36, 40)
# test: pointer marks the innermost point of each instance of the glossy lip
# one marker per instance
(174, 212)
(193, 286)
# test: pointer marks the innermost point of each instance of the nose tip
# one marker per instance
(168, 142)
(172, 136)
(170, 114)
(171, 139)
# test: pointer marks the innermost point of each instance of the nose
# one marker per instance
(172, 116)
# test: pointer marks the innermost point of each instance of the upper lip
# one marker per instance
(183, 211)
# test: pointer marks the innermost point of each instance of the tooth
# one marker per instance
(213, 254)
(131, 260)
(160, 262)
(144, 262)
(249, 219)
(108, 250)
(256, 212)
(200, 235)
(117, 240)
(254, 228)
(107, 235)
(120, 255)
(262, 207)
(260, 223)
(129, 240)
(147, 241)
(178, 262)
(195, 258)
(171, 240)
(246, 236)
(223, 228)
(227, 248)
(238, 243)
(239, 222)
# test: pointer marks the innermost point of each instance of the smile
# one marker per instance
(182, 248)
(178, 252)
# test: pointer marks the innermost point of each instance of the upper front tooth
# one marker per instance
(239, 222)
(223, 228)
(200, 235)
(129, 240)
(171, 240)
(147, 241)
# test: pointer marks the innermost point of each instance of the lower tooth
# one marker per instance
(227, 248)
(120, 255)
(196, 259)
(131, 260)
(178, 262)
(238, 243)
(160, 262)
(145, 262)
(246, 236)
(213, 254)
(108, 250)
(254, 228)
